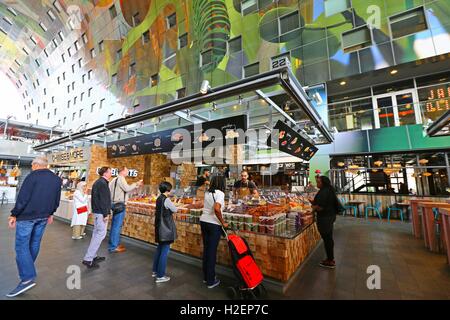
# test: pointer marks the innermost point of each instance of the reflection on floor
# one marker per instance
(408, 271)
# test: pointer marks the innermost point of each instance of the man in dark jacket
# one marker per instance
(36, 203)
(101, 207)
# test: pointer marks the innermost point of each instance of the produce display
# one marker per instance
(276, 214)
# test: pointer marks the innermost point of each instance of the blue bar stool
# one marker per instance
(348, 207)
(376, 208)
(393, 208)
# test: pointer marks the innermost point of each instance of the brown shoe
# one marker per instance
(119, 250)
(121, 246)
(330, 264)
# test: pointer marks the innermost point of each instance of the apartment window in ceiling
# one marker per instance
(102, 102)
(25, 76)
(68, 88)
(69, 51)
(289, 22)
(64, 76)
(43, 27)
(248, 6)
(63, 57)
(12, 11)
(73, 85)
(45, 93)
(118, 55)
(51, 15)
(80, 62)
(48, 72)
(17, 62)
(68, 104)
(181, 93)
(132, 70)
(101, 46)
(37, 62)
(73, 68)
(73, 116)
(114, 79)
(90, 74)
(55, 111)
(55, 43)
(83, 78)
(154, 80)
(81, 113)
(183, 41)
(113, 11)
(6, 19)
(92, 53)
(172, 21)
(146, 37)
(44, 105)
(409, 22)
(110, 117)
(333, 7)
(61, 36)
(57, 6)
(59, 122)
(356, 39)
(48, 115)
(3, 31)
(235, 45)
(25, 50)
(33, 39)
(136, 19)
(251, 70)
(76, 44)
(59, 80)
(46, 52)
(206, 57)
(85, 38)
(39, 109)
(90, 92)
(64, 121)
(75, 101)
(82, 96)
(53, 99)
(92, 107)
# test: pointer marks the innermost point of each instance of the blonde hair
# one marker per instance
(81, 186)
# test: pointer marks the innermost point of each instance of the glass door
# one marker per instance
(396, 109)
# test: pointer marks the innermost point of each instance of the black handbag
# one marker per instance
(117, 207)
(167, 230)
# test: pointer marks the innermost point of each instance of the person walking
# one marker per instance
(165, 231)
(80, 211)
(101, 207)
(211, 222)
(36, 203)
(119, 189)
(326, 205)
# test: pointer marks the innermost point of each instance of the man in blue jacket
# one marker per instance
(38, 200)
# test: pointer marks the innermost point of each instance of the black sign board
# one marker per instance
(291, 142)
(165, 141)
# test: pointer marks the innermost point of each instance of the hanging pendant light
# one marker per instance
(378, 163)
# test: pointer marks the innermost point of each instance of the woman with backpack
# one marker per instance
(326, 205)
(165, 231)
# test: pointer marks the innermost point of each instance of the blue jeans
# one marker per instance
(116, 229)
(211, 234)
(28, 243)
(160, 259)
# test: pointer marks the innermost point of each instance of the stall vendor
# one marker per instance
(245, 187)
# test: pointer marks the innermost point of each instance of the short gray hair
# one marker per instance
(40, 161)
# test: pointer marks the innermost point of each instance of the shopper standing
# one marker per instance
(80, 211)
(165, 231)
(326, 205)
(119, 189)
(36, 203)
(101, 207)
(211, 223)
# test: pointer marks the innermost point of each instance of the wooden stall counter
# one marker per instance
(278, 257)
(428, 222)
(445, 216)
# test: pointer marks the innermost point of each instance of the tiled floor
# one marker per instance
(408, 271)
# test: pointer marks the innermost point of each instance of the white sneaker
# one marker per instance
(163, 279)
(77, 238)
(154, 275)
(216, 283)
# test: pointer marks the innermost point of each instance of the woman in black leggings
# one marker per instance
(326, 205)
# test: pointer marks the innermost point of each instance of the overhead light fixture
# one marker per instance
(205, 87)
(394, 71)
(286, 107)
(343, 83)
(341, 164)
(214, 107)
(423, 161)
(427, 174)
(240, 100)
(378, 163)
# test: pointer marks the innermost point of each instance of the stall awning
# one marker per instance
(271, 89)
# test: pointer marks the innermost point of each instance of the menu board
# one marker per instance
(166, 141)
(291, 142)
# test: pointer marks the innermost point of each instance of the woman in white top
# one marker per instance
(80, 211)
(211, 223)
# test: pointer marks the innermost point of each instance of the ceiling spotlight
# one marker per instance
(394, 71)
(286, 107)
(214, 108)
(240, 100)
(343, 83)
(205, 88)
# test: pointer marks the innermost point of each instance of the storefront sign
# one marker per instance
(165, 141)
(73, 155)
(115, 172)
(291, 142)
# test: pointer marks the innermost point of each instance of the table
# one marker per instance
(357, 203)
(417, 231)
(428, 222)
(445, 214)
(404, 205)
